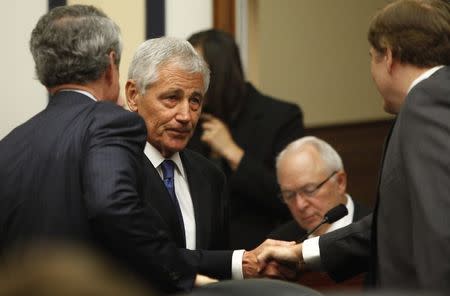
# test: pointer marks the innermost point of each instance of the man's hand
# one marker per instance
(252, 267)
(201, 280)
(275, 270)
(218, 137)
(290, 255)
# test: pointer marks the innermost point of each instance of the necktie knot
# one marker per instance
(167, 167)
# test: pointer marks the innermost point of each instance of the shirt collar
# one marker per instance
(88, 94)
(156, 158)
(347, 219)
(344, 221)
(424, 76)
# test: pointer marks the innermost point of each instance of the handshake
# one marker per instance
(274, 259)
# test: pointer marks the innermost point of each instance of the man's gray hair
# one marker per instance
(155, 53)
(71, 44)
(331, 159)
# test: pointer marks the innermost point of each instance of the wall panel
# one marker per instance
(315, 53)
(22, 94)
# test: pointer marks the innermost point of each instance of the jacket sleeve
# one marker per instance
(213, 263)
(345, 252)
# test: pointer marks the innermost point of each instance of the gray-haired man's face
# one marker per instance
(171, 108)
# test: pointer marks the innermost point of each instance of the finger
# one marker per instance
(290, 255)
(266, 255)
(288, 272)
(276, 270)
(208, 125)
(207, 116)
(272, 271)
(273, 242)
(205, 137)
(212, 119)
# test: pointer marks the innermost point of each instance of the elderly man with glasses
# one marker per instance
(312, 181)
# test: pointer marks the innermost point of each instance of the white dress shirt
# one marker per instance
(181, 191)
(310, 248)
(187, 208)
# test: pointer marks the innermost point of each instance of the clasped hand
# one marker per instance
(273, 259)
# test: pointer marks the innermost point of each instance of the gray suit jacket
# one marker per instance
(408, 242)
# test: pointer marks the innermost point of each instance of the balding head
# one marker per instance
(312, 180)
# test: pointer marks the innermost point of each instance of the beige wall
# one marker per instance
(312, 52)
(182, 19)
(185, 17)
(22, 94)
(315, 53)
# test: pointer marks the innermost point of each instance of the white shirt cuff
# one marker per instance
(236, 265)
(311, 253)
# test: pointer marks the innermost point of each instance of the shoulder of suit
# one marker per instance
(430, 90)
(111, 111)
(109, 120)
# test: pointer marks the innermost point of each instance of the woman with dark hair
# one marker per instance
(242, 131)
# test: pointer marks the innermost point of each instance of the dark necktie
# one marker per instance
(167, 167)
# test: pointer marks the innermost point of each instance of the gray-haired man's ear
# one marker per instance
(132, 94)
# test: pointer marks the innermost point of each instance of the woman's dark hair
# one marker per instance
(224, 98)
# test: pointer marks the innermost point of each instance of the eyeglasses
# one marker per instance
(288, 196)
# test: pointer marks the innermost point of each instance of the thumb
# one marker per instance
(265, 255)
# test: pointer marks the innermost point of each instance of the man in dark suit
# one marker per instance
(406, 244)
(73, 172)
(312, 181)
(199, 185)
(166, 85)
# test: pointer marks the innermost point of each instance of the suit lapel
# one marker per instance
(156, 194)
(201, 199)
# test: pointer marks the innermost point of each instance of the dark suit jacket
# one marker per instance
(71, 173)
(410, 244)
(263, 128)
(291, 231)
(210, 201)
